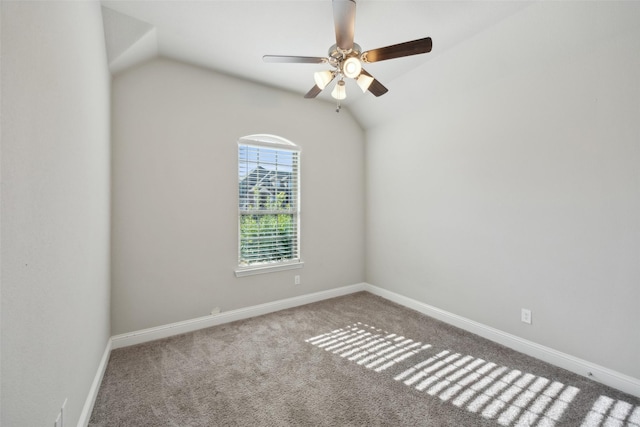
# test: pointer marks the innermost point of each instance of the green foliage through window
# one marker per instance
(268, 197)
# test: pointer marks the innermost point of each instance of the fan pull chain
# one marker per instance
(338, 107)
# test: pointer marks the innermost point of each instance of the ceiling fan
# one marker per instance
(347, 57)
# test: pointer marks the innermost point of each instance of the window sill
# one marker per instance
(251, 271)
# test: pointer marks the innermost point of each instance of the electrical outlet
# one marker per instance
(297, 279)
(525, 315)
(215, 310)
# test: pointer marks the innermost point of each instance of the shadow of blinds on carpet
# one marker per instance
(511, 397)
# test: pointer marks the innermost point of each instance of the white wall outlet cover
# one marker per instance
(525, 315)
(215, 310)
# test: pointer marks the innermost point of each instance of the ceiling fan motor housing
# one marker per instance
(339, 58)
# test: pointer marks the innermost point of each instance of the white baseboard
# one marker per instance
(576, 365)
(85, 415)
(152, 334)
(601, 374)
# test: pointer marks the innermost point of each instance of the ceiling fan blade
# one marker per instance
(295, 59)
(315, 90)
(375, 87)
(344, 18)
(414, 47)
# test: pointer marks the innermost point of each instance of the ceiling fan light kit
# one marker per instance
(346, 57)
(351, 67)
(323, 78)
(364, 82)
(339, 92)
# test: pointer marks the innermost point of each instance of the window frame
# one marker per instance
(271, 142)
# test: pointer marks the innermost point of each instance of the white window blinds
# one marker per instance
(268, 201)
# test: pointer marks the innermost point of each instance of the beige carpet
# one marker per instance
(357, 360)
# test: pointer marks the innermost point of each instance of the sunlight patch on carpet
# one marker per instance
(611, 412)
(369, 346)
(508, 396)
(511, 397)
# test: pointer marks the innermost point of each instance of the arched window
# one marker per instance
(268, 204)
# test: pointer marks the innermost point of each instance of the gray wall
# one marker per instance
(514, 181)
(174, 230)
(54, 207)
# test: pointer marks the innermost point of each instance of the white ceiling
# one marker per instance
(232, 36)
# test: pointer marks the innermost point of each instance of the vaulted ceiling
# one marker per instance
(232, 36)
